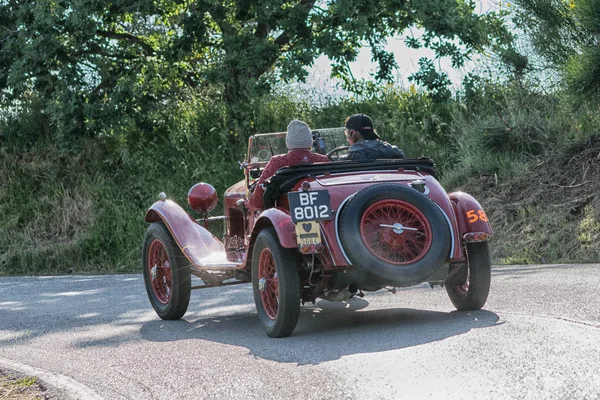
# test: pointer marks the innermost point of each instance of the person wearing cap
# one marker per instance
(365, 143)
(299, 142)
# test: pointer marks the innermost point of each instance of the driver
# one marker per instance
(299, 143)
(365, 143)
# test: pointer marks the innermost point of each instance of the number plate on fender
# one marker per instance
(308, 233)
(312, 205)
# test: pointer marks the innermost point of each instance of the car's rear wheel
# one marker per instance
(276, 284)
(166, 273)
(396, 233)
(468, 289)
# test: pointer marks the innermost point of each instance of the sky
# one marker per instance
(406, 58)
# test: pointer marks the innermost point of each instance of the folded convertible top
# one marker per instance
(285, 178)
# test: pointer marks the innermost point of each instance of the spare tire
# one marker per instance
(395, 232)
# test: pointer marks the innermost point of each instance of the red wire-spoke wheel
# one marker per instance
(167, 276)
(396, 231)
(268, 283)
(275, 284)
(159, 268)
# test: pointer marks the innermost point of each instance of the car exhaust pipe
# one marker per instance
(343, 294)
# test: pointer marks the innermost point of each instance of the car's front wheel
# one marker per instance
(276, 284)
(468, 289)
(166, 273)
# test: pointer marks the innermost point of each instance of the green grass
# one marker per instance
(13, 387)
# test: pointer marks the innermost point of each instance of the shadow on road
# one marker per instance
(327, 331)
(35, 307)
(109, 311)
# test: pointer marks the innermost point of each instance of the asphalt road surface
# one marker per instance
(538, 337)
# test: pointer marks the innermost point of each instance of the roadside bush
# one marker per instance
(77, 205)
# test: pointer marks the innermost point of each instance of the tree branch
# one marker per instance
(219, 14)
(285, 38)
(282, 39)
(126, 37)
(261, 30)
(95, 49)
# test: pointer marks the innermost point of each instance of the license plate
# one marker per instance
(308, 233)
(313, 205)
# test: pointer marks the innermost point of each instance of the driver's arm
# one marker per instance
(255, 202)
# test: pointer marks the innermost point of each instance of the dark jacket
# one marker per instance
(372, 150)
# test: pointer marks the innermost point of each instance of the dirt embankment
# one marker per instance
(547, 213)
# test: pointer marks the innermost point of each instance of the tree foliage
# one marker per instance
(566, 34)
(102, 65)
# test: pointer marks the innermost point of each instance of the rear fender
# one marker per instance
(195, 242)
(470, 216)
(282, 222)
(279, 219)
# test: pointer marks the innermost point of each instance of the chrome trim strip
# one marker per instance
(218, 218)
(337, 233)
(360, 182)
(391, 171)
(451, 229)
(209, 219)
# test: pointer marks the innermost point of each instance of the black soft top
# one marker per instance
(286, 178)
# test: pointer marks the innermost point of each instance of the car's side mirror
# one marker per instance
(318, 143)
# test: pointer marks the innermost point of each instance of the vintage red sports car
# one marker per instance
(329, 230)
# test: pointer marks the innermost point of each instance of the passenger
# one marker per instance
(365, 143)
(299, 142)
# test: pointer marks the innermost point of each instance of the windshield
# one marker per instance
(263, 146)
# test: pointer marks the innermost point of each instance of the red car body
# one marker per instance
(416, 198)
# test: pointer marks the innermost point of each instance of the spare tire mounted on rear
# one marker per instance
(395, 232)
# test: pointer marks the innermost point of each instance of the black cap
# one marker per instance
(363, 124)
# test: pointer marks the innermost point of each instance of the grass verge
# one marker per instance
(18, 387)
(78, 205)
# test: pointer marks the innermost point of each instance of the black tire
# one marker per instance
(279, 318)
(468, 289)
(431, 243)
(169, 304)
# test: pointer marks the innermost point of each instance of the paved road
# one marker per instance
(537, 338)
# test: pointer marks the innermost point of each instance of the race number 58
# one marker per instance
(476, 215)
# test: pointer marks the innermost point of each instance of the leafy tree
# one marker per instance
(566, 34)
(101, 64)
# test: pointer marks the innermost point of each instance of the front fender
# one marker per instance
(470, 216)
(282, 222)
(195, 241)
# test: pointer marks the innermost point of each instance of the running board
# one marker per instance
(217, 262)
(217, 266)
